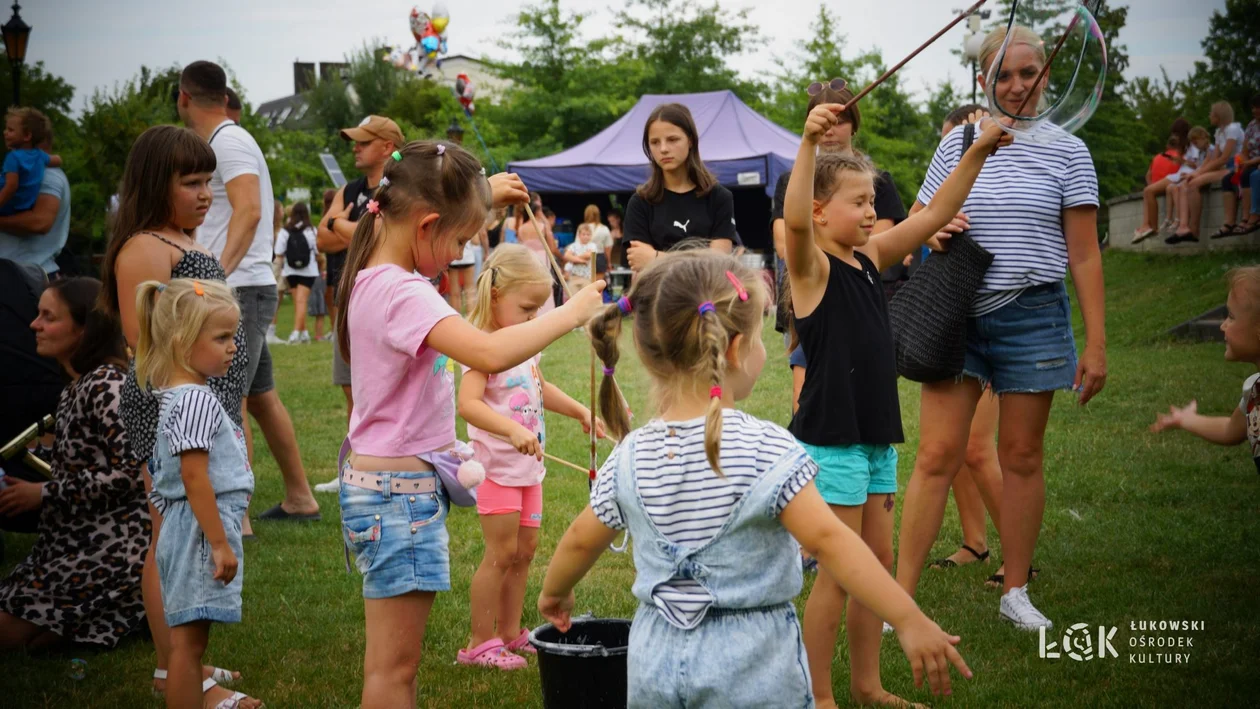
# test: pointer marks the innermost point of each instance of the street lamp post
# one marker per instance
(454, 132)
(16, 33)
(972, 43)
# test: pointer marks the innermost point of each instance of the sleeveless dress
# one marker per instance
(140, 409)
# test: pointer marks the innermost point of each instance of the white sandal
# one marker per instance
(218, 675)
(231, 702)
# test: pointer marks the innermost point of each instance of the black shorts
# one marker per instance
(1227, 183)
(295, 281)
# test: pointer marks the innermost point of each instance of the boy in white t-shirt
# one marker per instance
(581, 256)
(1242, 344)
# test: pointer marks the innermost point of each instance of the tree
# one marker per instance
(1233, 69)
(46, 92)
(684, 46)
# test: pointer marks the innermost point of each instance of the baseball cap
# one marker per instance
(374, 127)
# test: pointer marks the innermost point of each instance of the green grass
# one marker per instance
(1137, 527)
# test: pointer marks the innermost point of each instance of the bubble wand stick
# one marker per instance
(884, 77)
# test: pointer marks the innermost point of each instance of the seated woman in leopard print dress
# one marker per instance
(81, 581)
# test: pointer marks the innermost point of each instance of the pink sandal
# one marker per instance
(521, 644)
(491, 653)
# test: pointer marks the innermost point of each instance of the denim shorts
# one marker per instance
(669, 667)
(1026, 345)
(398, 542)
(847, 474)
(186, 568)
(258, 307)
(797, 358)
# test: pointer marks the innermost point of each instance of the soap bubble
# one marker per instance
(78, 669)
(1068, 93)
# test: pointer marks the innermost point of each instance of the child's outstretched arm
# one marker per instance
(474, 410)
(806, 262)
(558, 402)
(577, 552)
(194, 466)
(494, 352)
(891, 247)
(1221, 430)
(54, 161)
(851, 563)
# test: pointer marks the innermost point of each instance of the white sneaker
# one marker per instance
(333, 485)
(305, 338)
(888, 629)
(326, 337)
(295, 337)
(271, 336)
(1017, 609)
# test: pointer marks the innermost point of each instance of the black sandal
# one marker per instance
(999, 580)
(1225, 231)
(948, 563)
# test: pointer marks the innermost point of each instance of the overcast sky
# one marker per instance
(96, 43)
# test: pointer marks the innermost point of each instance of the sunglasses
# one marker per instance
(835, 85)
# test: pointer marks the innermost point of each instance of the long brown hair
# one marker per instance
(680, 344)
(676, 114)
(299, 217)
(159, 156)
(435, 176)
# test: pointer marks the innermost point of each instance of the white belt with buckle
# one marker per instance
(397, 485)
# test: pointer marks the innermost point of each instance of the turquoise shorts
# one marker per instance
(847, 474)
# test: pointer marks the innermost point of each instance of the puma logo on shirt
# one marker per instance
(682, 225)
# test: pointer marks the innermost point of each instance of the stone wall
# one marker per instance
(1125, 216)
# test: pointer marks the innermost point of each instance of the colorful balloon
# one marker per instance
(465, 90)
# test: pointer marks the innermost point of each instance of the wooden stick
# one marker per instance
(884, 77)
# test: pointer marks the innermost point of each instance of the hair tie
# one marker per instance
(715, 393)
(739, 287)
(707, 307)
(161, 287)
(441, 149)
(623, 304)
(609, 371)
(384, 181)
(198, 289)
(396, 155)
(373, 206)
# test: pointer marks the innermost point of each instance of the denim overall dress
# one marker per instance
(746, 651)
(185, 566)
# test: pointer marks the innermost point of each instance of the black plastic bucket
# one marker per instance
(584, 668)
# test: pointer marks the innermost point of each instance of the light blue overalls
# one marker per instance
(747, 649)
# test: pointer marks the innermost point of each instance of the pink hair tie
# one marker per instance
(739, 287)
(707, 307)
(373, 206)
(441, 149)
(624, 305)
(715, 393)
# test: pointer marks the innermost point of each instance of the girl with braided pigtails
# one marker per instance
(717, 501)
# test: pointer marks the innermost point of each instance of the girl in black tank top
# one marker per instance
(849, 414)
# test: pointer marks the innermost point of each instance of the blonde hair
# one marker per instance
(424, 175)
(511, 266)
(1246, 281)
(680, 346)
(1224, 112)
(1199, 133)
(171, 316)
(1019, 35)
(586, 227)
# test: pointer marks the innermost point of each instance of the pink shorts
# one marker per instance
(496, 499)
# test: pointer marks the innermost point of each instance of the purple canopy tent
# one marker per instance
(740, 146)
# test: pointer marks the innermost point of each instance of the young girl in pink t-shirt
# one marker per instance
(401, 340)
(505, 424)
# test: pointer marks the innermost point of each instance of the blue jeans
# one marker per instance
(1251, 176)
(398, 542)
(734, 658)
(1026, 345)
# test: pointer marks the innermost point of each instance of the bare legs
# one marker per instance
(277, 428)
(395, 635)
(828, 602)
(497, 593)
(980, 462)
(1021, 449)
(301, 295)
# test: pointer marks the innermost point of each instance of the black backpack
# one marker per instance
(297, 252)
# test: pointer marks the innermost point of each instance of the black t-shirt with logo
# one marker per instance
(356, 194)
(680, 216)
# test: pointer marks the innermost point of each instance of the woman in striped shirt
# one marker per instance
(1035, 207)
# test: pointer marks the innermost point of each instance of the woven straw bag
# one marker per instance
(929, 313)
